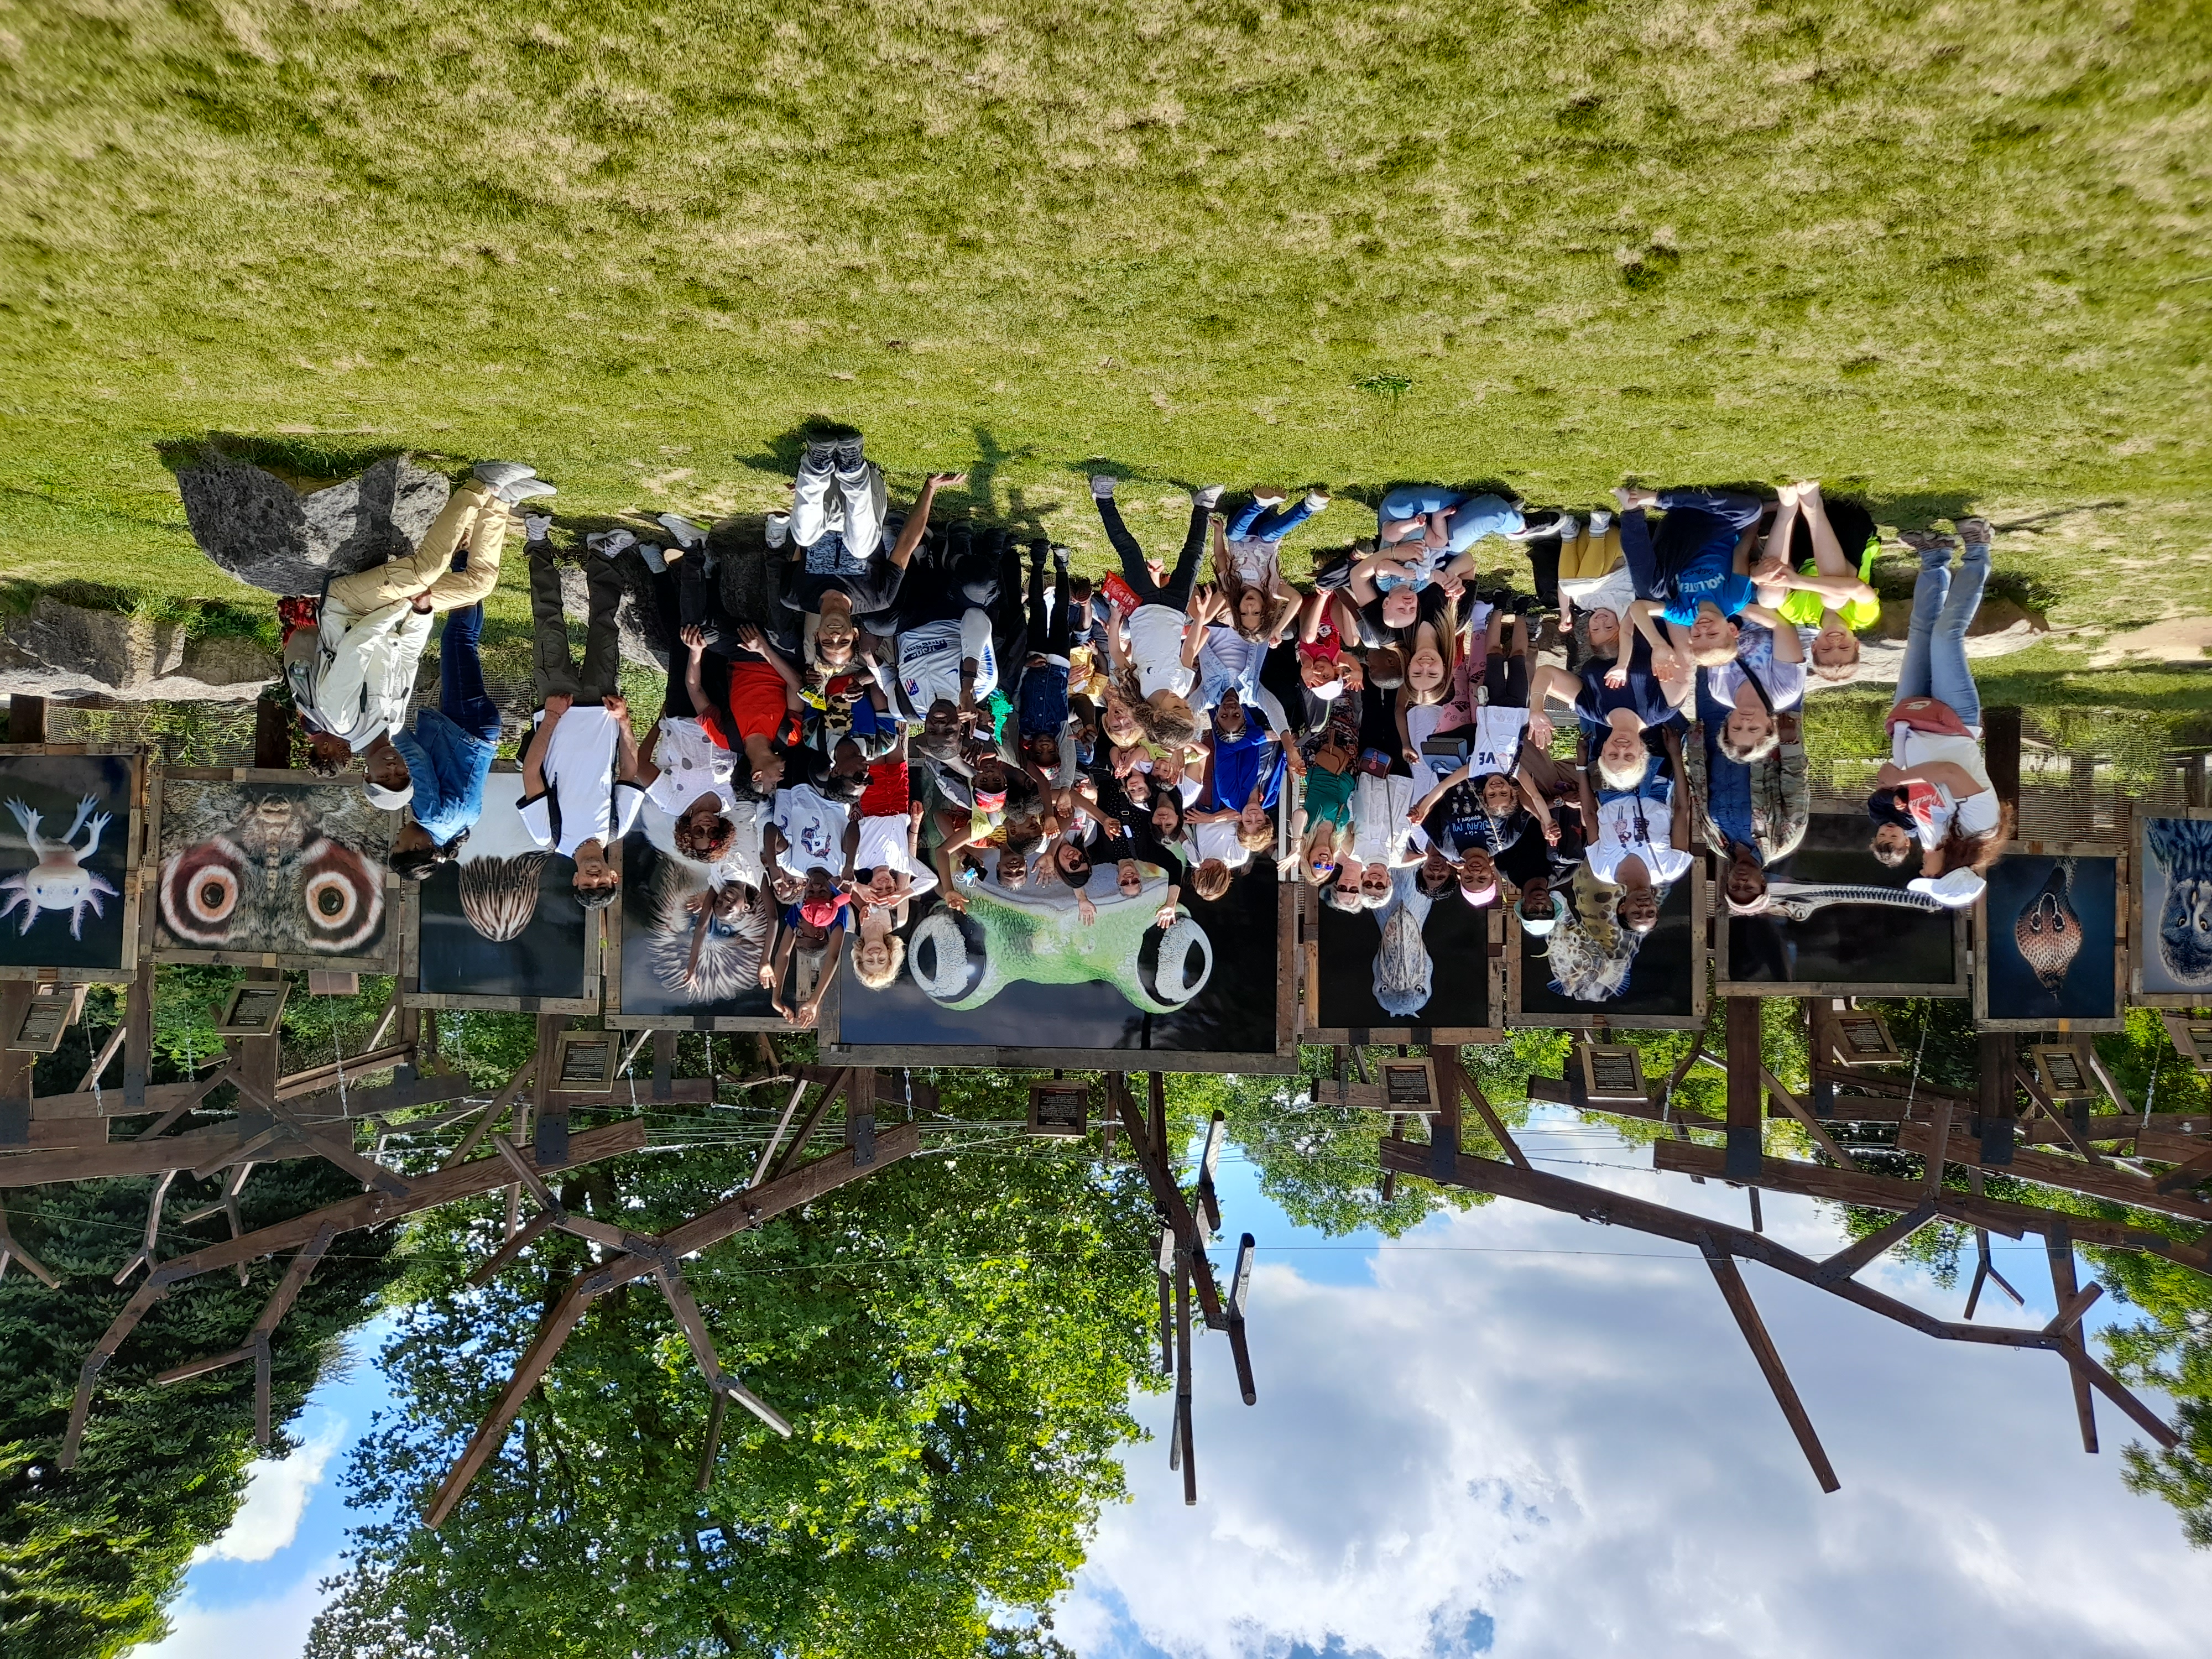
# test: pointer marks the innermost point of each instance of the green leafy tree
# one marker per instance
(954, 1340)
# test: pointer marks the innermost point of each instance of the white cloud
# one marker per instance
(1579, 1448)
(276, 1494)
(272, 1628)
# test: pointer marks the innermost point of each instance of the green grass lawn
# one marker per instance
(1945, 256)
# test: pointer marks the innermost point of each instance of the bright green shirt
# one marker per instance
(1804, 609)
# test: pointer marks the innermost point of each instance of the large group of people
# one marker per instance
(1550, 709)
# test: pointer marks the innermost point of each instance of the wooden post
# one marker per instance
(27, 719)
(2059, 1244)
(1183, 1375)
(2000, 1098)
(272, 734)
(1444, 1122)
(16, 1068)
(549, 1114)
(1730, 1279)
(1743, 1088)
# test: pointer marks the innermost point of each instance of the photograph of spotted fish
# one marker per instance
(262, 864)
(2172, 928)
(2051, 947)
(68, 845)
(499, 927)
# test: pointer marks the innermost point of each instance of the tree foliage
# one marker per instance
(955, 1340)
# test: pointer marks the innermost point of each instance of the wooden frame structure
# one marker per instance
(2139, 934)
(2124, 902)
(135, 839)
(410, 971)
(1313, 1028)
(1598, 1017)
(385, 960)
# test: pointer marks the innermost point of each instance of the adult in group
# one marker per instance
(448, 754)
(1155, 673)
(1832, 547)
(352, 677)
(1935, 790)
(844, 597)
(1641, 841)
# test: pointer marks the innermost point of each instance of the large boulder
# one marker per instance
(72, 652)
(262, 531)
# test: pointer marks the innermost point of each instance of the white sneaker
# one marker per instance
(779, 529)
(1209, 498)
(1317, 499)
(609, 543)
(687, 534)
(500, 474)
(1954, 889)
(523, 490)
(1269, 497)
(1102, 486)
(1568, 529)
(536, 527)
(1600, 523)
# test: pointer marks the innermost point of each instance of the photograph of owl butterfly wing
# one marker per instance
(2050, 935)
(273, 864)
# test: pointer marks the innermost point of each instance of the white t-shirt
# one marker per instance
(815, 828)
(1379, 827)
(1421, 722)
(1621, 835)
(1615, 591)
(1156, 650)
(929, 658)
(1755, 654)
(692, 764)
(742, 863)
(1219, 840)
(579, 770)
(1979, 813)
(1254, 561)
(1495, 739)
(882, 847)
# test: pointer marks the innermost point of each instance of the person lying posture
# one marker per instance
(813, 928)
(1763, 681)
(1936, 789)
(1693, 570)
(1153, 674)
(686, 766)
(837, 506)
(1623, 850)
(1248, 565)
(352, 677)
(1833, 601)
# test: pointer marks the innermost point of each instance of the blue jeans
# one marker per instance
(1269, 524)
(1696, 520)
(1477, 515)
(461, 696)
(1943, 605)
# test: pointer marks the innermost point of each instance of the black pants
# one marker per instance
(682, 596)
(1175, 593)
(1048, 632)
(554, 670)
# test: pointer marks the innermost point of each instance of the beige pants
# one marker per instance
(473, 516)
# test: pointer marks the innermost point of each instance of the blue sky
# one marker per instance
(1515, 1433)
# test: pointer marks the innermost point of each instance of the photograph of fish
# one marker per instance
(1837, 922)
(2050, 930)
(272, 864)
(2173, 945)
(1592, 969)
(65, 862)
(692, 937)
(499, 927)
(1021, 968)
(1419, 961)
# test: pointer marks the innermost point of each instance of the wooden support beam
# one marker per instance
(499, 1104)
(2058, 1245)
(1745, 1120)
(1452, 1078)
(831, 1092)
(138, 1036)
(1183, 1399)
(26, 717)
(767, 1152)
(1810, 1124)
(12, 1251)
(715, 1415)
(748, 1208)
(549, 1114)
(2055, 1169)
(1240, 1289)
(1452, 1085)
(1167, 1194)
(1999, 1101)
(513, 1246)
(1738, 1294)
(663, 1065)
(1939, 1142)
(1848, 1261)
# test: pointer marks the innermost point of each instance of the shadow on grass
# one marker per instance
(299, 459)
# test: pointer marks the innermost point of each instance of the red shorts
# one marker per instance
(887, 795)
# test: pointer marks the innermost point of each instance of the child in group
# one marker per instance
(1936, 789)
(1154, 673)
(1324, 822)
(1763, 680)
(813, 928)
(1234, 817)
(1693, 569)
(1834, 601)
(1248, 566)
(1042, 699)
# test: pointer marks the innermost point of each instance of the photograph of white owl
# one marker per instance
(281, 868)
(499, 927)
(2049, 928)
(67, 854)
(2174, 909)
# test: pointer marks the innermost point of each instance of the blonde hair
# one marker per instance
(1751, 753)
(1255, 838)
(1210, 879)
(1160, 728)
(1624, 777)
(877, 981)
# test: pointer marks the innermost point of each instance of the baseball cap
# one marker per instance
(820, 913)
(389, 800)
(1482, 895)
(990, 800)
(1541, 926)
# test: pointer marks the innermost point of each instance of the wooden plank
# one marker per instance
(499, 1104)
(1167, 1195)
(548, 1116)
(1461, 1082)
(26, 717)
(2058, 1245)
(1744, 1118)
(1848, 1261)
(810, 1123)
(2052, 1170)
(1805, 1120)
(1738, 1295)
(1182, 1404)
(1999, 1100)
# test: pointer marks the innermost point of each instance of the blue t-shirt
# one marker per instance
(1709, 578)
(1250, 758)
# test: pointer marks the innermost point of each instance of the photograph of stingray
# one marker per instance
(2051, 948)
(685, 948)
(263, 864)
(500, 927)
(67, 842)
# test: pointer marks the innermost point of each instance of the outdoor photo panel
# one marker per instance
(1589, 970)
(499, 927)
(1417, 964)
(275, 868)
(2050, 942)
(655, 977)
(1019, 973)
(2172, 906)
(1840, 922)
(67, 841)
